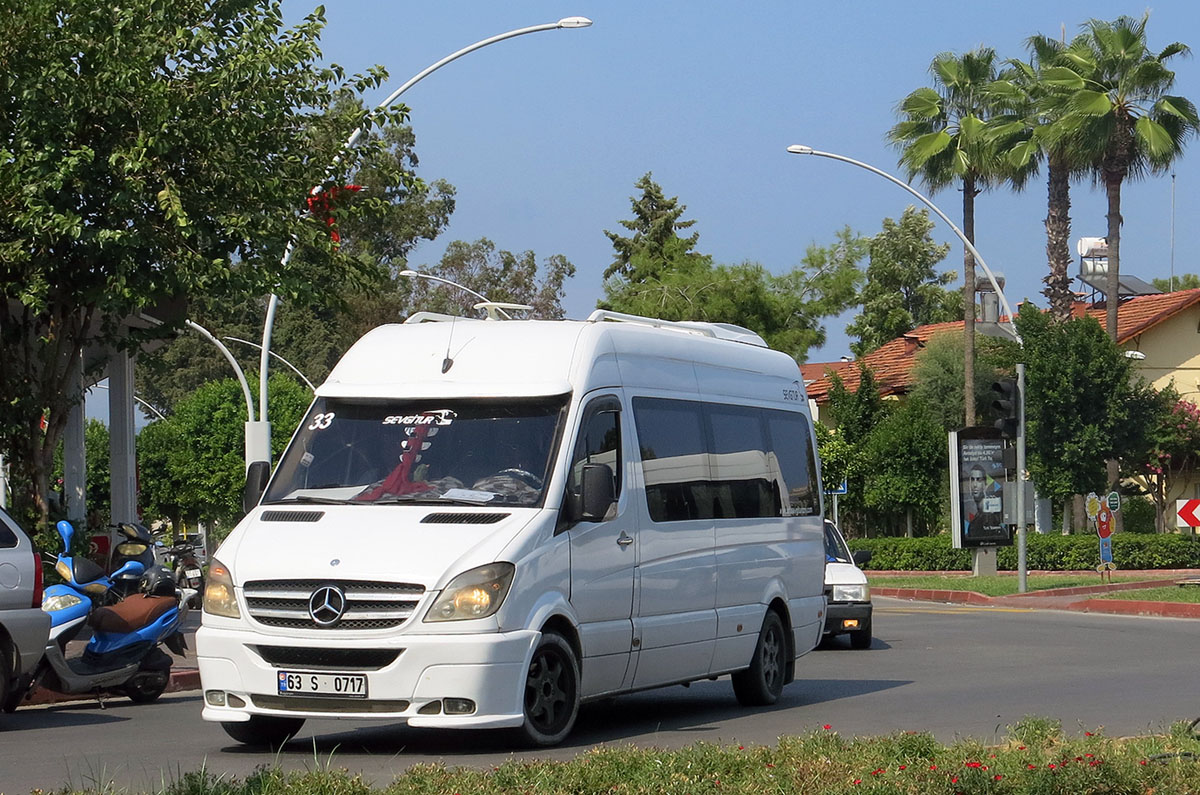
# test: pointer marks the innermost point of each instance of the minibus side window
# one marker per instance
(745, 482)
(675, 460)
(791, 443)
(599, 443)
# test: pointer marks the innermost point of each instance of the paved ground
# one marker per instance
(186, 676)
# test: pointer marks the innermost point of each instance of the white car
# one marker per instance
(846, 590)
(23, 626)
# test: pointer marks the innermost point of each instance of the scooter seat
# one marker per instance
(131, 614)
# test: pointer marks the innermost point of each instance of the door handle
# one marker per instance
(624, 540)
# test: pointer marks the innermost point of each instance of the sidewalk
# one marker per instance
(1074, 599)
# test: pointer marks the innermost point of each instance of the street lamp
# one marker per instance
(483, 298)
(293, 367)
(262, 428)
(1011, 330)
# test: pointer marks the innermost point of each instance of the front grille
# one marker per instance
(291, 516)
(369, 604)
(330, 705)
(332, 659)
(463, 518)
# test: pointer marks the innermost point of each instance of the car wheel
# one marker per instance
(264, 730)
(551, 693)
(8, 698)
(761, 683)
(861, 638)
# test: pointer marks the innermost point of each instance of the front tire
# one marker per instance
(264, 730)
(551, 693)
(861, 638)
(761, 684)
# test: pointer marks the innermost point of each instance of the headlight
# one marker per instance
(60, 601)
(851, 593)
(477, 593)
(219, 599)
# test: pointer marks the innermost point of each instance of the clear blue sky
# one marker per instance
(544, 135)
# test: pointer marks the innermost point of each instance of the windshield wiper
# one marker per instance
(316, 500)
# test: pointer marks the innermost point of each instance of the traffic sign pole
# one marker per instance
(1022, 561)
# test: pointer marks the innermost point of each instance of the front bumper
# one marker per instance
(29, 629)
(487, 669)
(846, 617)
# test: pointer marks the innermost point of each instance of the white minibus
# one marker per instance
(483, 524)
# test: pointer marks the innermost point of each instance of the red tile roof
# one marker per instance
(892, 364)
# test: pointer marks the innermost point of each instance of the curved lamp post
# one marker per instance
(262, 428)
(288, 364)
(1009, 328)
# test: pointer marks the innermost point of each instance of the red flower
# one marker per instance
(997, 777)
(933, 767)
(877, 771)
(1088, 734)
(1051, 765)
(858, 781)
(826, 727)
(903, 767)
(770, 765)
(1142, 762)
(1089, 756)
(1020, 748)
(954, 780)
(974, 764)
(741, 748)
(1031, 767)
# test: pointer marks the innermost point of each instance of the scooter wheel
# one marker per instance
(145, 687)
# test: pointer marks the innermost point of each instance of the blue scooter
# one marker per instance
(122, 655)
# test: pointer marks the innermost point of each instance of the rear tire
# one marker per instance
(264, 730)
(146, 687)
(761, 684)
(861, 638)
(8, 698)
(551, 693)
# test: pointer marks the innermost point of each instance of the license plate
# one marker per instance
(309, 683)
(192, 573)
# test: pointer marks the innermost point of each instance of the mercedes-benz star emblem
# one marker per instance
(326, 605)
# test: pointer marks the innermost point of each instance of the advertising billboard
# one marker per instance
(977, 488)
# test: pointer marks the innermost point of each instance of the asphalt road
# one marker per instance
(952, 670)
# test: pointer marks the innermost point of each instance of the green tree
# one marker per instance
(903, 290)
(854, 414)
(787, 311)
(943, 139)
(193, 464)
(500, 275)
(1031, 105)
(1121, 117)
(938, 376)
(903, 463)
(1084, 405)
(655, 247)
(152, 152)
(1184, 281)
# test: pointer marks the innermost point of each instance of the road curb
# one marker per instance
(1048, 600)
(181, 679)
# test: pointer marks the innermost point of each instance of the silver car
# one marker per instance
(24, 628)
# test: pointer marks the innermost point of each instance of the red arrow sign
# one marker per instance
(1185, 511)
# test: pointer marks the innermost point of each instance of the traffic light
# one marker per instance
(1007, 403)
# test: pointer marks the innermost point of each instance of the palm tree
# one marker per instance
(943, 140)
(1026, 135)
(1121, 117)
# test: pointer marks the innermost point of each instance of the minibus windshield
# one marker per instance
(473, 452)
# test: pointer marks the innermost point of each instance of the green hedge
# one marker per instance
(1043, 552)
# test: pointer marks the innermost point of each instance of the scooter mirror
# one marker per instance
(66, 532)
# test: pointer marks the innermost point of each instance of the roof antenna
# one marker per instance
(447, 362)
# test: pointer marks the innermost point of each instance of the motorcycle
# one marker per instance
(181, 560)
(134, 542)
(123, 654)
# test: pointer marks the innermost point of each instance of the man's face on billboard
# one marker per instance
(978, 482)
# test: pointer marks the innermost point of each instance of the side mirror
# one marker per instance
(66, 532)
(861, 557)
(596, 492)
(257, 475)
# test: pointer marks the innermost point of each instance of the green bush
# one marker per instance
(1043, 553)
(1138, 514)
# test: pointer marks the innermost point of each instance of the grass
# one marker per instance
(1169, 593)
(1035, 757)
(992, 585)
